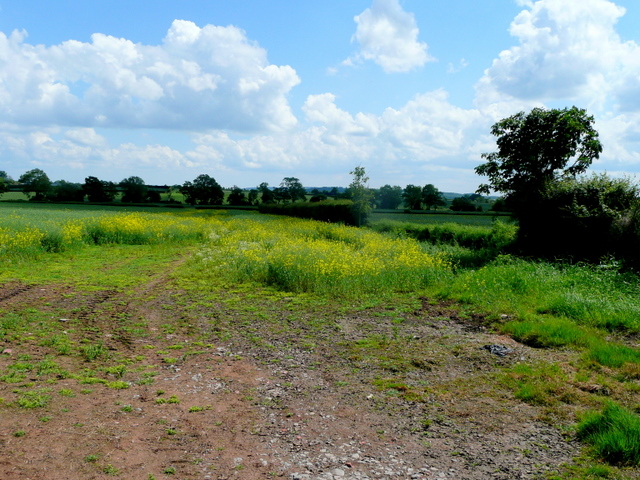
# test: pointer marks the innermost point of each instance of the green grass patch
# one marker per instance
(614, 434)
(34, 399)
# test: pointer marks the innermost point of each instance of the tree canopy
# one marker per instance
(204, 190)
(98, 190)
(134, 190)
(35, 184)
(291, 190)
(389, 197)
(536, 152)
(237, 197)
(432, 197)
(535, 149)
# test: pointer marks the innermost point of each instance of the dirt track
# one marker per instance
(259, 402)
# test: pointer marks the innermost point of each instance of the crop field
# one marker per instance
(182, 343)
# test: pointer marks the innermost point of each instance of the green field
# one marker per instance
(477, 219)
(587, 315)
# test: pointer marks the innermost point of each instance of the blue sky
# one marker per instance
(252, 91)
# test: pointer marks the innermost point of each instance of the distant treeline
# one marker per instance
(205, 190)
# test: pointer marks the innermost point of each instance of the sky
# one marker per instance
(252, 91)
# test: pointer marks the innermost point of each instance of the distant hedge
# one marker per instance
(333, 211)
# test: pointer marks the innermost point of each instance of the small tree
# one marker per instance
(361, 195)
(134, 190)
(432, 197)
(35, 184)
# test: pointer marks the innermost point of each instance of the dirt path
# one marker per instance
(191, 388)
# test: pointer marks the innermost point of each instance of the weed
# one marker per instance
(111, 470)
(118, 385)
(66, 392)
(93, 352)
(92, 458)
(169, 471)
(19, 433)
(127, 408)
(196, 408)
(117, 371)
(34, 399)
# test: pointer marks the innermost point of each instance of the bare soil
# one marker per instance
(284, 398)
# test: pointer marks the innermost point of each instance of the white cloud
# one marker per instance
(388, 35)
(198, 78)
(567, 51)
(86, 136)
(428, 137)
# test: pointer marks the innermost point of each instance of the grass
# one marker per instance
(614, 434)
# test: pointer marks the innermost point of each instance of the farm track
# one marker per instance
(279, 395)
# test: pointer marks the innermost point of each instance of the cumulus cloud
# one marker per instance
(567, 50)
(428, 137)
(388, 35)
(198, 78)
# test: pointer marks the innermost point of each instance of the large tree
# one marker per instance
(35, 184)
(389, 197)
(292, 190)
(237, 197)
(204, 190)
(134, 190)
(266, 194)
(98, 190)
(412, 196)
(432, 197)
(535, 151)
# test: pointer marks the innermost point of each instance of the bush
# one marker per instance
(585, 218)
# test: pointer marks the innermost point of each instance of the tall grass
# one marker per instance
(613, 433)
(587, 295)
(466, 246)
(306, 256)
